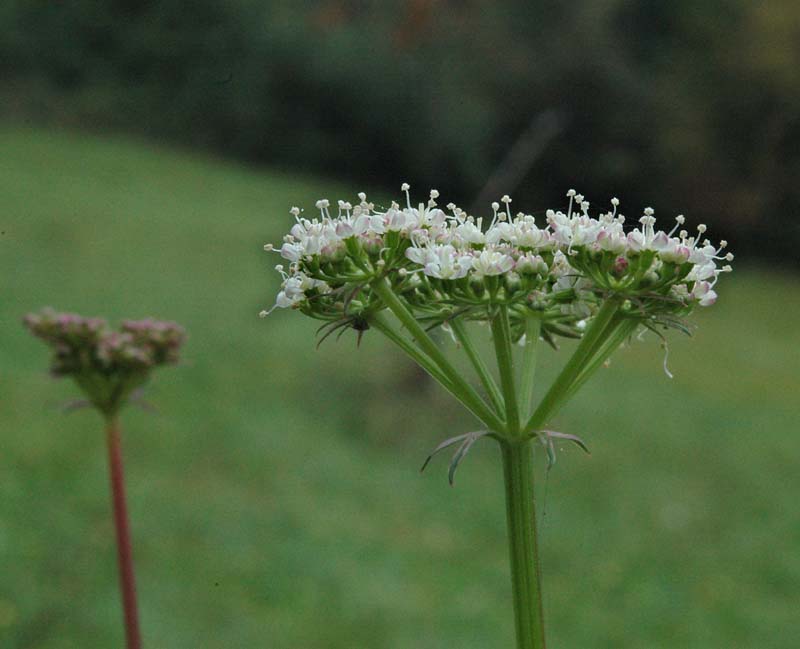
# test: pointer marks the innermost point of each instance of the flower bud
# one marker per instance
(107, 364)
(620, 266)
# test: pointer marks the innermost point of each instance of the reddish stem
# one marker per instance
(127, 582)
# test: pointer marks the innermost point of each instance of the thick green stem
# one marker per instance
(489, 384)
(533, 327)
(501, 334)
(597, 332)
(462, 390)
(523, 552)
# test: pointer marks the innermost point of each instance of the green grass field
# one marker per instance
(276, 499)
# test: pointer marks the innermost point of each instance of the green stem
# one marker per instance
(379, 322)
(622, 331)
(523, 552)
(594, 335)
(462, 390)
(533, 327)
(489, 384)
(613, 335)
(501, 334)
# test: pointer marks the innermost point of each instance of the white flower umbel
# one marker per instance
(445, 263)
(406, 270)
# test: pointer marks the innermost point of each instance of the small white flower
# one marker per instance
(613, 241)
(492, 262)
(636, 241)
(344, 229)
(469, 233)
(704, 294)
(292, 251)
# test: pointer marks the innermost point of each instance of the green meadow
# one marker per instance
(275, 495)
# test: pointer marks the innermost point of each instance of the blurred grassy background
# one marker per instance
(276, 500)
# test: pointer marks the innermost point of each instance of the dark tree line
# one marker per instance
(689, 106)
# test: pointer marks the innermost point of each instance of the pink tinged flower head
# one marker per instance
(372, 243)
(636, 241)
(704, 294)
(344, 229)
(531, 237)
(675, 254)
(103, 359)
(660, 242)
(704, 272)
(470, 233)
(433, 218)
(418, 255)
(333, 251)
(530, 264)
(397, 220)
(585, 234)
(292, 251)
(500, 232)
(620, 266)
(562, 234)
(703, 255)
(442, 261)
(492, 262)
(614, 242)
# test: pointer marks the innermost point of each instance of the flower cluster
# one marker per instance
(561, 264)
(107, 364)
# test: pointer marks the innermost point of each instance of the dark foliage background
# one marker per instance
(691, 106)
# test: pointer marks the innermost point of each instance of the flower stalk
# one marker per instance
(533, 327)
(595, 335)
(501, 335)
(462, 390)
(127, 581)
(482, 371)
(522, 543)
(110, 367)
